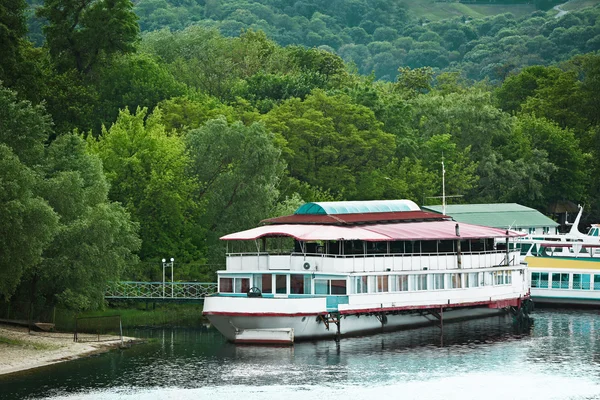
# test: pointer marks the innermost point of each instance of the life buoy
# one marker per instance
(306, 265)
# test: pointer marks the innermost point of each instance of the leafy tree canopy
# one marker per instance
(79, 32)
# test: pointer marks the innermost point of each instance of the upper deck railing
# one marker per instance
(371, 262)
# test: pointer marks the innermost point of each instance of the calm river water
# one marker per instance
(557, 358)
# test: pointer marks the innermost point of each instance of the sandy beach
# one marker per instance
(20, 350)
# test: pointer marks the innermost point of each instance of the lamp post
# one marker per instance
(166, 265)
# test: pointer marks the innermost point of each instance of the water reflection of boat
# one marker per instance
(565, 269)
(347, 268)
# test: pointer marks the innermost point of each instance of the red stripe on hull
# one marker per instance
(264, 314)
(491, 304)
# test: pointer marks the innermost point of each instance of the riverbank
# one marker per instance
(20, 350)
(135, 315)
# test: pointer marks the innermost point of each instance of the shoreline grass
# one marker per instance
(136, 315)
(23, 343)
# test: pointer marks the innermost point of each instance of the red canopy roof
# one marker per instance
(434, 230)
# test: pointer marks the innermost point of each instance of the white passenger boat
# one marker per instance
(346, 268)
(565, 269)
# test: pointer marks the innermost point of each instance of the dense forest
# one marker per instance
(120, 146)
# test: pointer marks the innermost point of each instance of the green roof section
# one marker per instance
(499, 215)
(357, 207)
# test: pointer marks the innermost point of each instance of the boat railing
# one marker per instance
(362, 255)
(369, 262)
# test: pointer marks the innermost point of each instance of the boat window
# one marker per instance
(360, 284)
(429, 246)
(242, 285)
(487, 279)
(539, 280)
(297, 284)
(456, 280)
(596, 282)
(498, 277)
(338, 286)
(560, 281)
(525, 248)
(420, 282)
(581, 281)
(307, 284)
(535, 279)
(382, 283)
(508, 277)
(263, 282)
(267, 283)
(446, 246)
(226, 285)
(376, 247)
(438, 281)
(401, 283)
(281, 284)
(333, 286)
(353, 247)
(473, 279)
(321, 286)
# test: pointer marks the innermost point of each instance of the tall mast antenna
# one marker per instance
(443, 187)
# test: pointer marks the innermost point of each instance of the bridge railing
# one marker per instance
(159, 290)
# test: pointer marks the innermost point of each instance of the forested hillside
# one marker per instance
(481, 39)
(118, 146)
(379, 35)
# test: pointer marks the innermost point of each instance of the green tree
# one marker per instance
(238, 169)
(23, 127)
(414, 81)
(80, 32)
(131, 81)
(410, 179)
(570, 178)
(146, 168)
(61, 240)
(19, 61)
(499, 150)
(185, 113)
(96, 241)
(330, 142)
(12, 33)
(27, 222)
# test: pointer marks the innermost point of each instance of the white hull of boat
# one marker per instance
(575, 297)
(309, 327)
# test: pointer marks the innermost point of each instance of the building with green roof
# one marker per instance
(500, 215)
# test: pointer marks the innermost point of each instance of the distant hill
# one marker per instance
(479, 38)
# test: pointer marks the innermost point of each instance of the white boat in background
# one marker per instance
(565, 269)
(347, 268)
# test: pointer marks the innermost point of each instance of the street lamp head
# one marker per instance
(172, 259)
(164, 260)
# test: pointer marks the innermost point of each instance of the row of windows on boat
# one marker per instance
(275, 245)
(561, 280)
(307, 284)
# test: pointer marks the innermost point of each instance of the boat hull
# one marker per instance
(313, 327)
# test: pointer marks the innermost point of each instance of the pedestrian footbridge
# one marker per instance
(160, 291)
